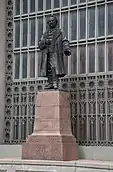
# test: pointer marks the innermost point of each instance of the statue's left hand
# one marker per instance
(67, 52)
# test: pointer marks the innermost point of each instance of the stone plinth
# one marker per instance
(52, 138)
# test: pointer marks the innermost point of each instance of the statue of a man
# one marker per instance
(53, 46)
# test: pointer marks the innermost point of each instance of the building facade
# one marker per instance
(88, 25)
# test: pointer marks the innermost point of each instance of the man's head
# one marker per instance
(52, 21)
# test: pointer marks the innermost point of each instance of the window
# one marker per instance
(91, 58)
(48, 4)
(17, 7)
(73, 2)
(32, 31)
(91, 22)
(24, 65)
(82, 56)
(39, 62)
(40, 5)
(29, 29)
(110, 19)
(32, 64)
(32, 6)
(73, 21)
(101, 20)
(24, 31)
(25, 6)
(17, 66)
(56, 3)
(47, 17)
(73, 60)
(82, 25)
(65, 23)
(64, 3)
(57, 16)
(82, 1)
(101, 57)
(110, 56)
(17, 34)
(40, 27)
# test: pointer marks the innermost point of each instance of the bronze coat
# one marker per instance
(58, 46)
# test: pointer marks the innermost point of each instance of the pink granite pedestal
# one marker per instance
(52, 138)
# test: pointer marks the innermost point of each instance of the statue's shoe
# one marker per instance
(49, 86)
(55, 84)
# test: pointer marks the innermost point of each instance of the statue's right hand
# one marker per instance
(48, 41)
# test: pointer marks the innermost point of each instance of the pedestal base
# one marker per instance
(59, 148)
(52, 138)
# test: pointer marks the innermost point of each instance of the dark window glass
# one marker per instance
(40, 5)
(25, 6)
(17, 34)
(82, 1)
(39, 61)
(24, 65)
(47, 17)
(32, 31)
(64, 3)
(101, 20)
(91, 58)
(110, 56)
(32, 64)
(17, 7)
(57, 16)
(91, 22)
(73, 60)
(40, 27)
(65, 23)
(56, 3)
(110, 19)
(25, 29)
(17, 66)
(73, 20)
(66, 64)
(82, 51)
(48, 4)
(82, 24)
(101, 57)
(73, 2)
(32, 6)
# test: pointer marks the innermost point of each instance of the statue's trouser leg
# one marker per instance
(49, 71)
(54, 77)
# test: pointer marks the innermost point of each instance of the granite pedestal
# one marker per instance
(52, 138)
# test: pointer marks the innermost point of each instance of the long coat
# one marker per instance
(59, 45)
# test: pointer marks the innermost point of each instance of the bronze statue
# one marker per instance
(53, 46)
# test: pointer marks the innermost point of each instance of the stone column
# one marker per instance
(52, 138)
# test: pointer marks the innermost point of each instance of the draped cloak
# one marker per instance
(59, 45)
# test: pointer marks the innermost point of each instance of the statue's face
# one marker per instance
(52, 22)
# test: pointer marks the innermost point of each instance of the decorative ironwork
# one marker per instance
(91, 102)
